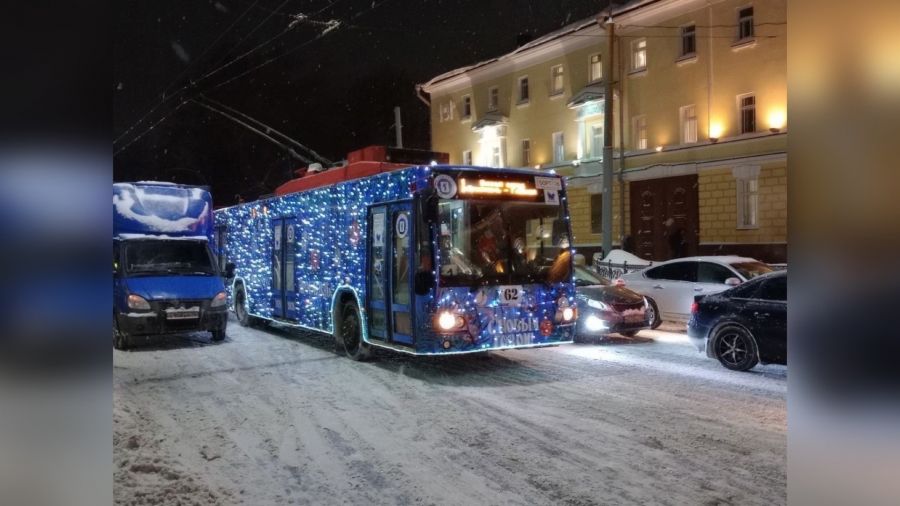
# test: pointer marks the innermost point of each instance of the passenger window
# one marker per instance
(774, 289)
(678, 271)
(709, 272)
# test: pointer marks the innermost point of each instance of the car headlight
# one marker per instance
(138, 302)
(596, 304)
(449, 321)
(218, 300)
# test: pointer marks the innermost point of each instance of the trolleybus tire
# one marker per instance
(348, 334)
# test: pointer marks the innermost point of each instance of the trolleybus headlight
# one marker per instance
(568, 314)
(447, 320)
(138, 302)
(218, 300)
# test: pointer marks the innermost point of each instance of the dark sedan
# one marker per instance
(745, 325)
(605, 307)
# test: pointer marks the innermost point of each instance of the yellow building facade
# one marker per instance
(699, 112)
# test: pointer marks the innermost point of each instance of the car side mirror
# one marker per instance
(229, 270)
(424, 282)
(732, 281)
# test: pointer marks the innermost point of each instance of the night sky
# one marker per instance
(333, 94)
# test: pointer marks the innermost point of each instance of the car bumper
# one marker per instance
(597, 323)
(153, 323)
(697, 335)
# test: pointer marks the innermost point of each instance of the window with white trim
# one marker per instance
(688, 124)
(688, 40)
(748, 202)
(559, 148)
(467, 157)
(526, 152)
(495, 156)
(493, 98)
(466, 107)
(747, 113)
(745, 23)
(639, 55)
(557, 79)
(524, 92)
(596, 141)
(639, 132)
(596, 68)
(446, 110)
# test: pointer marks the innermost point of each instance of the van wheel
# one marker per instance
(120, 340)
(240, 307)
(735, 348)
(349, 333)
(218, 335)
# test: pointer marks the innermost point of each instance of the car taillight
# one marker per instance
(694, 308)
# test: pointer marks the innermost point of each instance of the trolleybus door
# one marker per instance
(283, 261)
(390, 272)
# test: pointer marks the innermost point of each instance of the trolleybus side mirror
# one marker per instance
(229, 270)
(424, 282)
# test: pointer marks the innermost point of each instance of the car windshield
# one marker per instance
(751, 270)
(156, 257)
(585, 277)
(485, 241)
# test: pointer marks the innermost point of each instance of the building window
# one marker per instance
(745, 23)
(493, 98)
(748, 202)
(495, 156)
(639, 132)
(467, 157)
(556, 79)
(688, 124)
(747, 107)
(596, 141)
(446, 111)
(526, 152)
(597, 213)
(466, 107)
(523, 90)
(596, 68)
(559, 148)
(688, 40)
(639, 55)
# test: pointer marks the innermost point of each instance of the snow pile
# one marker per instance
(620, 256)
(160, 208)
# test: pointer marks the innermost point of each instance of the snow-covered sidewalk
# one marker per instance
(276, 417)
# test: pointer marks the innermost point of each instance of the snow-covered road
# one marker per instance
(275, 416)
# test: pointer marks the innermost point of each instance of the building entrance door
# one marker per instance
(664, 217)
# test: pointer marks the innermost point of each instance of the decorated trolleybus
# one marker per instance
(421, 259)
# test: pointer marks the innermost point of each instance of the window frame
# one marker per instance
(493, 99)
(519, 98)
(741, 108)
(526, 152)
(591, 77)
(466, 107)
(683, 119)
(638, 46)
(747, 201)
(638, 126)
(685, 37)
(559, 148)
(741, 36)
(562, 78)
(467, 157)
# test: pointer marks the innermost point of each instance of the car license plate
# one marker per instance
(183, 314)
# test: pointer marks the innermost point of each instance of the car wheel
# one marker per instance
(653, 310)
(349, 334)
(735, 348)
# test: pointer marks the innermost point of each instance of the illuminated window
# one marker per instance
(748, 202)
(495, 156)
(559, 148)
(467, 157)
(639, 55)
(688, 124)
(596, 68)
(493, 98)
(688, 40)
(523, 90)
(466, 107)
(747, 110)
(556, 79)
(639, 132)
(745, 23)
(596, 141)
(526, 152)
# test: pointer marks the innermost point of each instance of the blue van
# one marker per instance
(165, 275)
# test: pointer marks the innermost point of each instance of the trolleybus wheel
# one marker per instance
(349, 333)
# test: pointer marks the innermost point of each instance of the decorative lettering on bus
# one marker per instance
(495, 187)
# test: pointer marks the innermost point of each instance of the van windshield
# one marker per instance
(153, 257)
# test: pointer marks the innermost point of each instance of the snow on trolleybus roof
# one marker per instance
(161, 209)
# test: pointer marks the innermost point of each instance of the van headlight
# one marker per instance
(218, 300)
(138, 302)
(596, 304)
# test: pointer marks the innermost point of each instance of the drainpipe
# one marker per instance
(607, 24)
(621, 81)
